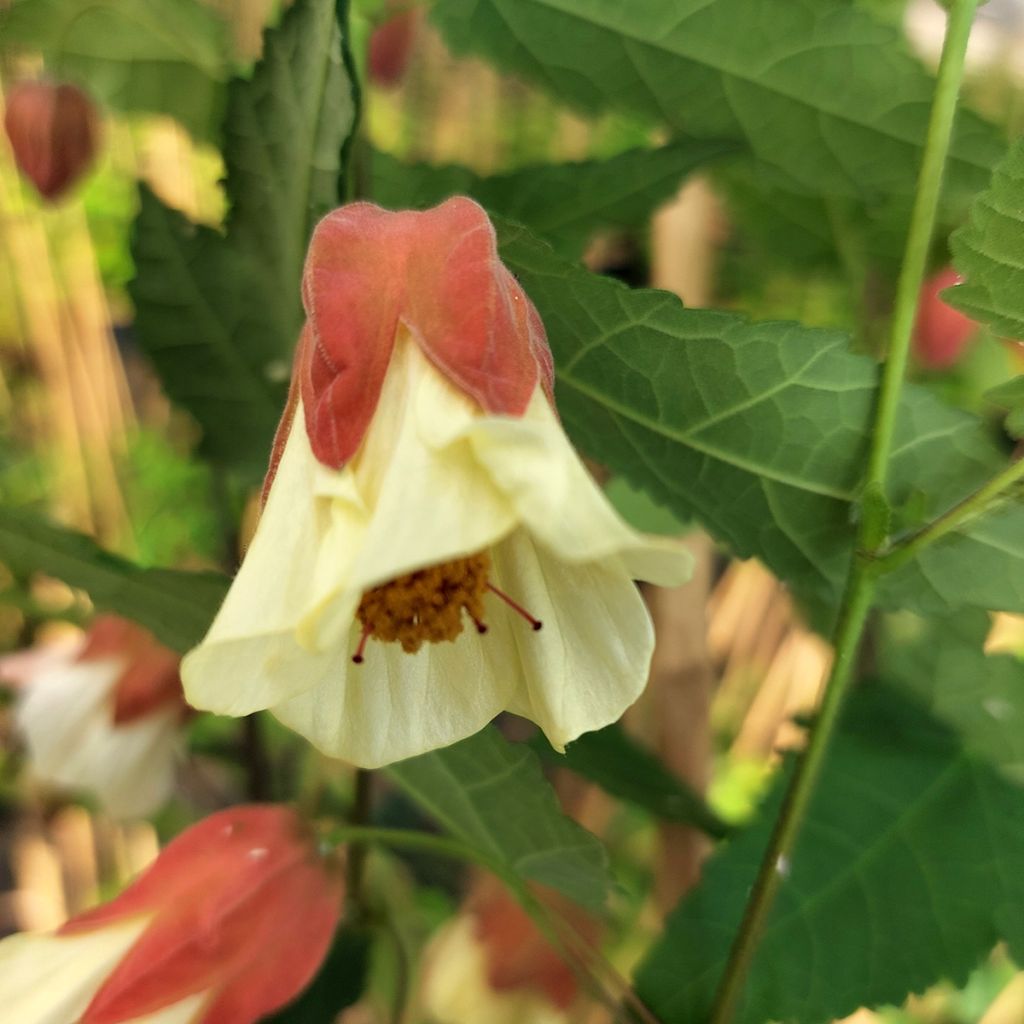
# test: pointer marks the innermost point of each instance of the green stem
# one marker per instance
(362, 804)
(919, 238)
(859, 593)
(974, 505)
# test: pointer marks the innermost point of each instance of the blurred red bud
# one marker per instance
(54, 134)
(941, 333)
(241, 909)
(391, 46)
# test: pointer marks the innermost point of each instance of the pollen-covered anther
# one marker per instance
(426, 605)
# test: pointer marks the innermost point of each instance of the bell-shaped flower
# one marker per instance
(492, 963)
(102, 713)
(431, 550)
(230, 922)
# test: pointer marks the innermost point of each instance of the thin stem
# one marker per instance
(919, 238)
(859, 593)
(974, 505)
(257, 763)
(776, 861)
(362, 804)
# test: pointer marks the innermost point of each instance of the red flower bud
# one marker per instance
(54, 134)
(241, 909)
(941, 333)
(391, 46)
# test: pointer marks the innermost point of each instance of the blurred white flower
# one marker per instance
(102, 713)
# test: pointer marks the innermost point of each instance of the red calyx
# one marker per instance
(54, 134)
(242, 906)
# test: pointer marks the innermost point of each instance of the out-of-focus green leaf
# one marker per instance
(759, 431)
(825, 96)
(638, 508)
(337, 985)
(565, 203)
(491, 794)
(157, 56)
(909, 868)
(177, 606)
(217, 336)
(989, 252)
(219, 313)
(944, 664)
(627, 771)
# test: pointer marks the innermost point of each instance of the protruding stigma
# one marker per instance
(515, 606)
(358, 656)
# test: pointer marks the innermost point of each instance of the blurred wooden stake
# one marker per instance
(676, 713)
(678, 709)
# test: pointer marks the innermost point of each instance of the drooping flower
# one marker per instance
(102, 713)
(53, 129)
(421, 484)
(230, 923)
(492, 963)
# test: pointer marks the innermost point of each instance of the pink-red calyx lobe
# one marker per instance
(437, 272)
(241, 907)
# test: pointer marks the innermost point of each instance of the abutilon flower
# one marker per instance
(230, 923)
(431, 550)
(492, 963)
(102, 713)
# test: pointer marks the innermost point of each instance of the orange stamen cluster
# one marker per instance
(426, 605)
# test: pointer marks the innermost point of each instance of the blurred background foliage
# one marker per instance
(89, 438)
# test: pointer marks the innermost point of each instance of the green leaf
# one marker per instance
(157, 56)
(337, 985)
(491, 794)
(177, 606)
(217, 336)
(565, 203)
(640, 510)
(908, 870)
(942, 662)
(989, 252)
(219, 313)
(759, 431)
(623, 768)
(286, 132)
(825, 96)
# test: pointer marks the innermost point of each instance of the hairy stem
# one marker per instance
(873, 527)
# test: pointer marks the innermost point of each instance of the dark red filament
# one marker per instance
(536, 623)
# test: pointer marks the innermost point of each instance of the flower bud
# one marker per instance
(391, 46)
(230, 923)
(54, 134)
(941, 333)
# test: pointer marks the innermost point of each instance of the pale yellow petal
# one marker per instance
(590, 660)
(396, 705)
(51, 979)
(185, 1011)
(534, 465)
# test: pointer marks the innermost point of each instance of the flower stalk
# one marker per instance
(873, 527)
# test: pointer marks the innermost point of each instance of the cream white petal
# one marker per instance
(532, 462)
(185, 1011)
(51, 979)
(396, 705)
(590, 660)
(327, 536)
(66, 717)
